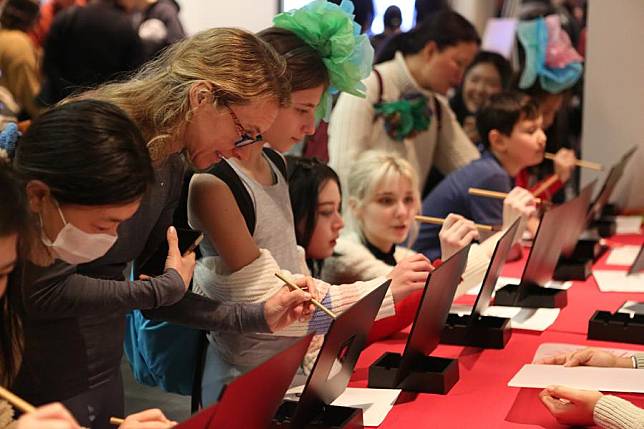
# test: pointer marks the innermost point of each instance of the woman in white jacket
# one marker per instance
(405, 110)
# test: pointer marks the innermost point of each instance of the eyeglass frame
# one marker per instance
(245, 139)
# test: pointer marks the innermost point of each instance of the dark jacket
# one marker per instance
(88, 46)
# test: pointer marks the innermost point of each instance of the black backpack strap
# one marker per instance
(380, 90)
(277, 159)
(225, 172)
(439, 112)
(196, 402)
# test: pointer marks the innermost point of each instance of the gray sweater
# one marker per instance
(74, 316)
(611, 412)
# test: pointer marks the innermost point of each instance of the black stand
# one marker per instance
(536, 297)
(572, 269)
(486, 331)
(589, 248)
(617, 326)
(331, 417)
(606, 226)
(429, 375)
(610, 210)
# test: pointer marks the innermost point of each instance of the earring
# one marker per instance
(157, 148)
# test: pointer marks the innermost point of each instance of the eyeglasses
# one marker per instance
(244, 138)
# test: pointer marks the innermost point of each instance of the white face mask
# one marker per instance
(75, 246)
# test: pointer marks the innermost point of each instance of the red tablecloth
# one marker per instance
(481, 398)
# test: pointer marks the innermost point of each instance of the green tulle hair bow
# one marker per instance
(405, 118)
(331, 30)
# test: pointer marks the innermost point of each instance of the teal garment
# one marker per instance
(533, 36)
(332, 32)
(163, 354)
(557, 80)
(534, 39)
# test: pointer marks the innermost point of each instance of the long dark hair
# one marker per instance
(306, 176)
(445, 28)
(88, 152)
(14, 219)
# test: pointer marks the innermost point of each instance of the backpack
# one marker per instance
(166, 355)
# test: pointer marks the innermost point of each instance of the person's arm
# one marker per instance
(454, 149)
(200, 312)
(577, 407)
(58, 291)
(611, 412)
(212, 208)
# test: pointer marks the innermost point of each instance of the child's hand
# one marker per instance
(570, 406)
(409, 275)
(287, 307)
(456, 233)
(184, 264)
(564, 161)
(519, 203)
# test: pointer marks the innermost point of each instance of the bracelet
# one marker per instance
(634, 359)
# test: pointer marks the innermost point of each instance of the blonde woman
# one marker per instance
(383, 199)
(200, 98)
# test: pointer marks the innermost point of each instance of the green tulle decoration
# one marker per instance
(406, 117)
(331, 30)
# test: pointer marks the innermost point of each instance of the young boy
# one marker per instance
(510, 128)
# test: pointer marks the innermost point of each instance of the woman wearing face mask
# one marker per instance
(254, 236)
(404, 111)
(23, 238)
(383, 200)
(489, 73)
(86, 182)
(82, 180)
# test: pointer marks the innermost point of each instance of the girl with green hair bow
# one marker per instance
(324, 53)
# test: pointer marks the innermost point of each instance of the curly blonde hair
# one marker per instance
(240, 66)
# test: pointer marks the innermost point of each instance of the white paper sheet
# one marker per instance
(632, 308)
(532, 319)
(619, 281)
(580, 377)
(628, 224)
(624, 255)
(375, 403)
(502, 281)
